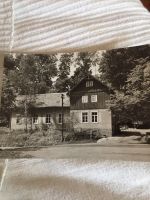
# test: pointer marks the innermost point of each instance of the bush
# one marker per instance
(96, 135)
(147, 138)
(83, 135)
(69, 137)
(45, 127)
(88, 134)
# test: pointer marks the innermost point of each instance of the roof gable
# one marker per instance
(97, 84)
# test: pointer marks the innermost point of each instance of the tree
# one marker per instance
(7, 99)
(9, 62)
(84, 61)
(123, 71)
(116, 65)
(134, 104)
(29, 75)
(8, 94)
(33, 74)
(62, 82)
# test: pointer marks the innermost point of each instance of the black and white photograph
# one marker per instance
(76, 98)
(84, 105)
(93, 107)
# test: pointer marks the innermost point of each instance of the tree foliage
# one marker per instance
(7, 99)
(33, 74)
(116, 65)
(124, 70)
(83, 63)
(62, 83)
(133, 105)
(26, 75)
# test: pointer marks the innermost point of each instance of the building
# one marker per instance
(88, 106)
(85, 109)
(46, 110)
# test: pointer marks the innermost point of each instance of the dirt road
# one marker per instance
(83, 151)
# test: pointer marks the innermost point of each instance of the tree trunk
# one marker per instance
(26, 116)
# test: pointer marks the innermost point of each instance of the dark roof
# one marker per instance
(46, 100)
(90, 77)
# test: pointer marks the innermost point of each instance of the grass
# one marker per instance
(20, 138)
(37, 138)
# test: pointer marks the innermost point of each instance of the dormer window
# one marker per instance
(93, 98)
(89, 83)
(84, 99)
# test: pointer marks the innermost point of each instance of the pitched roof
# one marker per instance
(46, 100)
(89, 76)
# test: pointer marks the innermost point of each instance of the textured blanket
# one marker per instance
(68, 25)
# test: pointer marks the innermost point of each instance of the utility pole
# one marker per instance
(62, 113)
(1, 74)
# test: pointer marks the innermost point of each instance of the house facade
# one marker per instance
(46, 111)
(88, 106)
(85, 109)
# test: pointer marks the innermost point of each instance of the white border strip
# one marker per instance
(4, 174)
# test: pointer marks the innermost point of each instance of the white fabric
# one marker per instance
(71, 25)
(46, 179)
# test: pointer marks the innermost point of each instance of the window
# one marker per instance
(84, 117)
(48, 118)
(84, 99)
(35, 119)
(89, 83)
(94, 98)
(60, 118)
(18, 119)
(94, 117)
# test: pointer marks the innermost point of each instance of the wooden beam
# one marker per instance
(1, 73)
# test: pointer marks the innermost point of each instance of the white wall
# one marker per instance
(104, 120)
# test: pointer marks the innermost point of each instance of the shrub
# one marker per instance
(147, 138)
(83, 135)
(45, 127)
(69, 137)
(96, 135)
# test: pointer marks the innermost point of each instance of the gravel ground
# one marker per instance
(140, 152)
(121, 140)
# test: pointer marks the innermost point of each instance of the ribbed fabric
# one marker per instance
(5, 24)
(71, 25)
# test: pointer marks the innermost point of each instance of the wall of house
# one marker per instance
(76, 100)
(41, 112)
(17, 126)
(104, 124)
(96, 86)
